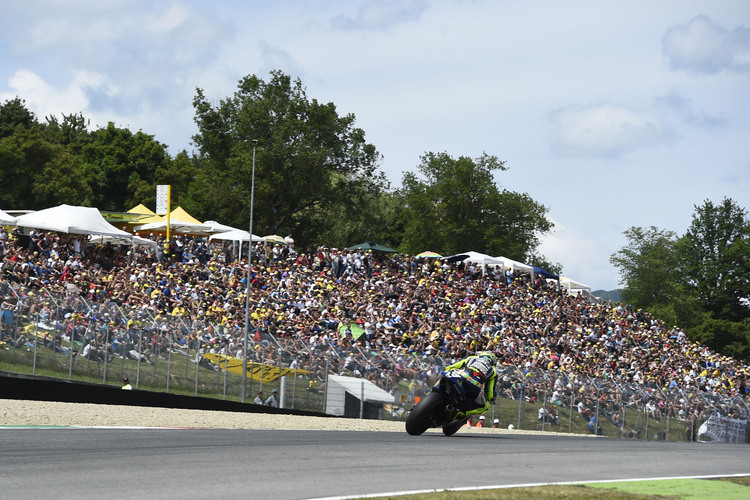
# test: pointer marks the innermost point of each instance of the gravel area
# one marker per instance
(35, 413)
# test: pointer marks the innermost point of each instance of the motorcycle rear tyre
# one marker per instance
(418, 419)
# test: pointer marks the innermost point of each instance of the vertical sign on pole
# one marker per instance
(163, 206)
(162, 199)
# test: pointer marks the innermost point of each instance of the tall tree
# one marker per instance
(652, 274)
(455, 206)
(60, 181)
(72, 132)
(116, 163)
(23, 157)
(15, 114)
(700, 281)
(718, 255)
(310, 161)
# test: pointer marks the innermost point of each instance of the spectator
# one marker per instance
(412, 315)
(259, 399)
(272, 400)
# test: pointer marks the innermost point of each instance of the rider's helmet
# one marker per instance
(489, 355)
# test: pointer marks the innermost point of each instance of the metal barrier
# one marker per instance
(65, 336)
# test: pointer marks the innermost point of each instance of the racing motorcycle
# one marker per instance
(439, 407)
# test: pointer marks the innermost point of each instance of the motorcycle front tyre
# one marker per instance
(418, 419)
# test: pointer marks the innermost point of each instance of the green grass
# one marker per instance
(675, 489)
(184, 377)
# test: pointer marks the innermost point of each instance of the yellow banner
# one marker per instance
(255, 371)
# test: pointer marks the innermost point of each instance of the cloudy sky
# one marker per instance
(611, 114)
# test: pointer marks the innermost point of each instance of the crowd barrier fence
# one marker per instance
(66, 336)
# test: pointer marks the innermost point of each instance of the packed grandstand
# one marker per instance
(383, 317)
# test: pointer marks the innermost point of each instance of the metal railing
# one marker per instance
(65, 336)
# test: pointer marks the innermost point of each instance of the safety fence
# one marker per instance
(63, 335)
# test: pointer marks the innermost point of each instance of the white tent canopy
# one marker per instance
(235, 235)
(481, 259)
(517, 266)
(70, 219)
(218, 227)
(177, 226)
(574, 287)
(122, 240)
(6, 219)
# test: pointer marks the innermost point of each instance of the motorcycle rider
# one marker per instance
(478, 373)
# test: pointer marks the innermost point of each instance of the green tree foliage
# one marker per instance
(118, 166)
(72, 132)
(699, 281)
(648, 267)
(312, 166)
(728, 337)
(717, 251)
(14, 115)
(23, 157)
(455, 206)
(60, 161)
(60, 181)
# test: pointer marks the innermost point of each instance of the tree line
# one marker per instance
(699, 281)
(317, 178)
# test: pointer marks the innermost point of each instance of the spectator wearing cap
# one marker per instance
(126, 385)
(259, 398)
(272, 400)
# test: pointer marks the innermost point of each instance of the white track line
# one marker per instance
(528, 485)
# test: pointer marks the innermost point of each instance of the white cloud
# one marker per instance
(604, 131)
(702, 46)
(45, 100)
(579, 255)
(379, 15)
(273, 57)
(684, 110)
(462, 76)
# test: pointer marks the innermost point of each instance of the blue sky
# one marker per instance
(611, 114)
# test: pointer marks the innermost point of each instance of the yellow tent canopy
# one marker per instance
(177, 214)
(141, 209)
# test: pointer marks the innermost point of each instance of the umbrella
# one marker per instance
(429, 255)
(375, 247)
(274, 238)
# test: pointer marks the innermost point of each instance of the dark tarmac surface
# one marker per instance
(79, 463)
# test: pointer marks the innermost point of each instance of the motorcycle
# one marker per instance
(439, 407)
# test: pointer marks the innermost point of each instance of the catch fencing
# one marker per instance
(61, 334)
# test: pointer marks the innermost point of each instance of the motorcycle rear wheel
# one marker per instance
(418, 419)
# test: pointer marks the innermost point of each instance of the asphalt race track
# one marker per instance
(77, 463)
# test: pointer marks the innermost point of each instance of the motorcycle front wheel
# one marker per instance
(419, 417)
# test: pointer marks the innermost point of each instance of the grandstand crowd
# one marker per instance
(399, 309)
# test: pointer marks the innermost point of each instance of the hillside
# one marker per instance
(613, 295)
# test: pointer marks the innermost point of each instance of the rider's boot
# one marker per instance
(452, 427)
